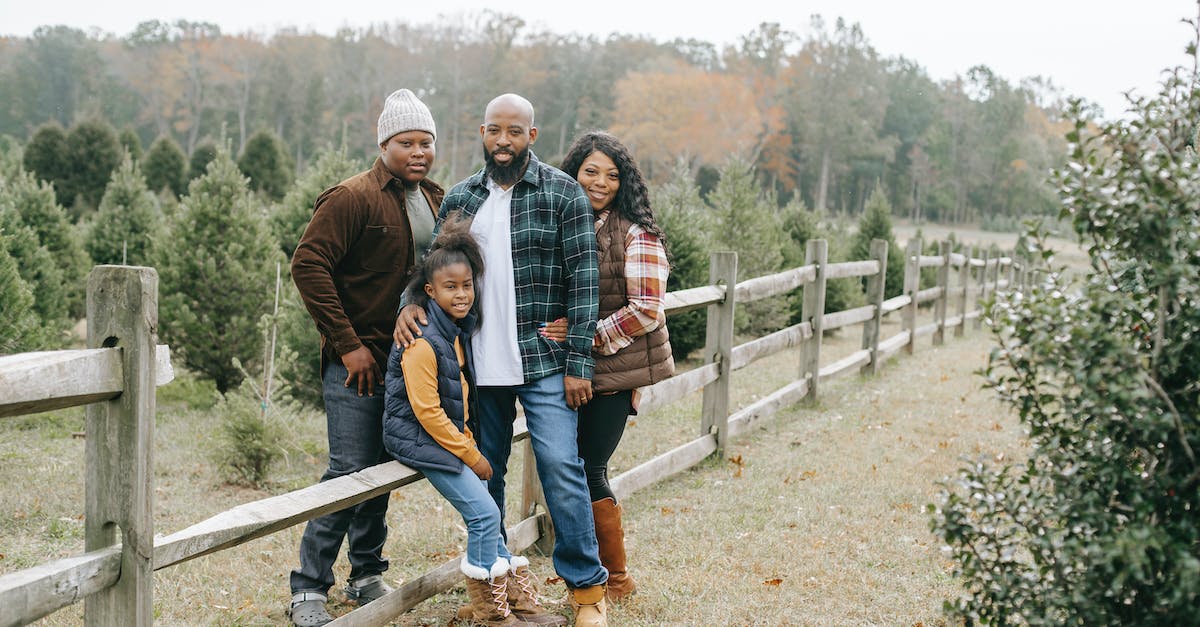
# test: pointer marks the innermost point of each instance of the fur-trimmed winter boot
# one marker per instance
(589, 607)
(610, 534)
(523, 595)
(489, 597)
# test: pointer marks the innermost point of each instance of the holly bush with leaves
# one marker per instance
(1099, 525)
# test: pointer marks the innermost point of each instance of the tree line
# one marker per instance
(822, 117)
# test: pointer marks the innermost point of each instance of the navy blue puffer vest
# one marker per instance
(403, 436)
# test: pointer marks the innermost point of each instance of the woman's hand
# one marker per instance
(556, 330)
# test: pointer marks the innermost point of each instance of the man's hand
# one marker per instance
(408, 325)
(578, 391)
(364, 372)
(482, 468)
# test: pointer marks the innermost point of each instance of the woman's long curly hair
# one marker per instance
(453, 244)
(633, 197)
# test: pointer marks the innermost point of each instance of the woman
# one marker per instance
(631, 345)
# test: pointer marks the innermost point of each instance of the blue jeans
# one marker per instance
(355, 430)
(469, 495)
(552, 429)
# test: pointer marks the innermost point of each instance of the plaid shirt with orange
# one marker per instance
(646, 270)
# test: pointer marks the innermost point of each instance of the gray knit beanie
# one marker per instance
(403, 111)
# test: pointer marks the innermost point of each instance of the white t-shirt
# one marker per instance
(497, 357)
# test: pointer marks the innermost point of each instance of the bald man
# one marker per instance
(535, 227)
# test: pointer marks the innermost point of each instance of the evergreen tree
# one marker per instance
(93, 152)
(12, 157)
(202, 155)
(132, 144)
(679, 211)
(876, 223)
(36, 269)
(801, 225)
(124, 227)
(748, 224)
(46, 157)
(165, 166)
(290, 217)
(217, 269)
(35, 207)
(265, 162)
(20, 329)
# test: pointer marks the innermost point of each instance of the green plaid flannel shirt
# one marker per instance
(554, 265)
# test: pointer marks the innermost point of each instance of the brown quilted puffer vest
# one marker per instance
(648, 360)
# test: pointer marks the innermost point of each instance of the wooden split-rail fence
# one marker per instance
(117, 374)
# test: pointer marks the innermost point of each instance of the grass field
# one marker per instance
(814, 518)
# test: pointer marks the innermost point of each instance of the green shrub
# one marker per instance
(679, 211)
(248, 439)
(265, 162)
(165, 167)
(1098, 526)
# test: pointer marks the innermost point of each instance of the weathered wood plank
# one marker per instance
(670, 390)
(27, 595)
(266, 516)
(925, 329)
(783, 339)
(896, 303)
(929, 261)
(774, 284)
(682, 301)
(848, 317)
(847, 269)
(441, 579)
(666, 465)
(42, 381)
(973, 314)
(957, 259)
(790, 394)
(812, 311)
(874, 294)
(894, 343)
(954, 322)
(846, 364)
(928, 294)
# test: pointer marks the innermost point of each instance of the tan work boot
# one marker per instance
(489, 598)
(523, 595)
(589, 607)
(610, 535)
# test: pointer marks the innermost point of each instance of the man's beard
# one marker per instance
(506, 175)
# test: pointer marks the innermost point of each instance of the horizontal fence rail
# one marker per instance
(98, 376)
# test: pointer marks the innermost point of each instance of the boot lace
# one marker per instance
(521, 575)
(499, 596)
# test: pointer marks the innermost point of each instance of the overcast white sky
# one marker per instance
(1091, 48)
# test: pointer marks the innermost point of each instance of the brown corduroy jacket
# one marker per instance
(354, 259)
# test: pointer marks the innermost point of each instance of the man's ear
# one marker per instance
(532, 135)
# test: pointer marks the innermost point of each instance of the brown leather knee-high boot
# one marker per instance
(611, 536)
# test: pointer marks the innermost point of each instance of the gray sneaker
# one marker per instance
(366, 589)
(308, 609)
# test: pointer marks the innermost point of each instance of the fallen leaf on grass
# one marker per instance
(736, 460)
(667, 511)
(773, 582)
(553, 581)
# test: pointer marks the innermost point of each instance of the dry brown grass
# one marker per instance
(814, 518)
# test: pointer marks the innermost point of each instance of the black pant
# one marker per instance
(601, 425)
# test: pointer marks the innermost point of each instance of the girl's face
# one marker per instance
(600, 179)
(452, 287)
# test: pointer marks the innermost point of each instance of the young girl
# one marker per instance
(429, 389)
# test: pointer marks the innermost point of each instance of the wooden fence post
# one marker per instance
(983, 288)
(912, 285)
(533, 496)
(718, 348)
(122, 311)
(943, 281)
(964, 282)
(812, 311)
(875, 292)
